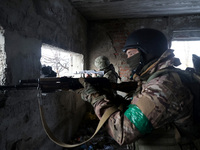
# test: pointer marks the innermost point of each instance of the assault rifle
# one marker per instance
(51, 84)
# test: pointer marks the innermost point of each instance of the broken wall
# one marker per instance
(51, 22)
(108, 37)
(21, 127)
(26, 25)
(3, 64)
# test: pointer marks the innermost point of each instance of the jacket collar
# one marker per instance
(167, 59)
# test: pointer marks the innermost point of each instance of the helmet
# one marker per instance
(101, 62)
(150, 42)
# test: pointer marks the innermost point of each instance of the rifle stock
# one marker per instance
(51, 84)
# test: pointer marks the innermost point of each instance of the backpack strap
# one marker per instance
(161, 72)
(174, 71)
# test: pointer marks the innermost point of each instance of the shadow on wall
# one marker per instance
(21, 127)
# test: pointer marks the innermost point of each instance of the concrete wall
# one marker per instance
(21, 127)
(108, 37)
(25, 26)
(36, 22)
(23, 57)
(3, 64)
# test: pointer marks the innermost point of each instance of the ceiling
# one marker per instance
(118, 9)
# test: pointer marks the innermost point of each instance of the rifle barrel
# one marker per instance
(16, 87)
(29, 81)
(52, 84)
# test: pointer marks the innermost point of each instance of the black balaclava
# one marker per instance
(135, 62)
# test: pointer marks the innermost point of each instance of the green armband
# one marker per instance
(135, 115)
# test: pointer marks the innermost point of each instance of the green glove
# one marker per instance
(89, 93)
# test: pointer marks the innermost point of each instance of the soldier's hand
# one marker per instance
(82, 81)
(89, 93)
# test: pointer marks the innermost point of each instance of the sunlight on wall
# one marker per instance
(3, 64)
(184, 50)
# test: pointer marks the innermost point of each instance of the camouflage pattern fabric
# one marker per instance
(162, 100)
(101, 62)
(88, 93)
(110, 73)
(111, 76)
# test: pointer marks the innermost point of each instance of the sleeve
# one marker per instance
(156, 105)
(111, 76)
(118, 125)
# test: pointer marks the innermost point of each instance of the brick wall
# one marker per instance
(115, 33)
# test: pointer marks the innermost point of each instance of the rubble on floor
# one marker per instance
(101, 141)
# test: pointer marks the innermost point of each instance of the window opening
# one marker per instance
(185, 43)
(64, 63)
(3, 64)
(184, 50)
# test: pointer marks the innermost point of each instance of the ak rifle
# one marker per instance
(52, 84)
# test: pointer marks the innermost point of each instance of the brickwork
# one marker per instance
(117, 31)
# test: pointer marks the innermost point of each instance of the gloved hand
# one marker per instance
(89, 93)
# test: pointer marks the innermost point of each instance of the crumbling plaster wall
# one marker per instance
(23, 57)
(3, 64)
(21, 127)
(108, 37)
(27, 24)
(41, 21)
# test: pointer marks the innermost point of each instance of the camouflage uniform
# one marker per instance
(110, 73)
(103, 64)
(159, 102)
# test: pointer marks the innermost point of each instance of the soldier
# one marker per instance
(102, 63)
(161, 106)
